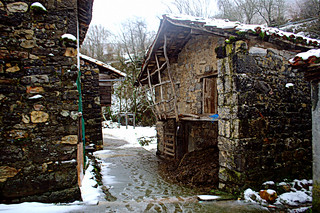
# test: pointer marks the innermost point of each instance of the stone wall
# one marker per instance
(265, 122)
(91, 102)
(316, 145)
(196, 60)
(38, 102)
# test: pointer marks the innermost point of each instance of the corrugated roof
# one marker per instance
(102, 64)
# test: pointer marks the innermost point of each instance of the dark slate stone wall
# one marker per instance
(38, 102)
(91, 103)
(265, 126)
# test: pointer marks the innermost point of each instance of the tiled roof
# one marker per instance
(234, 26)
(306, 58)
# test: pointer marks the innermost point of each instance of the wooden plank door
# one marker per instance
(210, 98)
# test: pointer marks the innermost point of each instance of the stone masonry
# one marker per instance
(265, 125)
(91, 103)
(38, 102)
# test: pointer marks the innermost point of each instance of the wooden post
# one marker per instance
(126, 116)
(80, 156)
(152, 95)
(170, 77)
(161, 90)
(134, 120)
(148, 100)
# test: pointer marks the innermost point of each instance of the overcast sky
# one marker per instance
(111, 13)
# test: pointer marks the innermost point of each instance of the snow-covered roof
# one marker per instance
(309, 63)
(223, 24)
(102, 64)
(179, 28)
(306, 58)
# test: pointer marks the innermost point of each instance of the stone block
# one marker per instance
(227, 129)
(257, 51)
(14, 68)
(70, 139)
(224, 112)
(7, 172)
(39, 117)
(228, 84)
(2, 6)
(38, 107)
(35, 79)
(33, 90)
(17, 7)
(64, 113)
(70, 52)
(25, 119)
(220, 86)
(18, 134)
(28, 44)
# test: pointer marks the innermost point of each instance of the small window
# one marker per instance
(210, 97)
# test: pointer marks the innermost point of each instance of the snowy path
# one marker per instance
(131, 173)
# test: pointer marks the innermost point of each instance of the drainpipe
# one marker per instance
(80, 110)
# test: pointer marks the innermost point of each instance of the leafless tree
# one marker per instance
(200, 8)
(96, 43)
(272, 11)
(253, 11)
(133, 42)
(229, 10)
(308, 8)
(239, 10)
(247, 9)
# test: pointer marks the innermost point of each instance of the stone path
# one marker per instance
(132, 175)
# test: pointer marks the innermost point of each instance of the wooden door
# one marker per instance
(210, 98)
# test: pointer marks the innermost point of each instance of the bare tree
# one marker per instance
(247, 9)
(272, 11)
(308, 8)
(133, 41)
(253, 11)
(200, 8)
(96, 43)
(229, 10)
(239, 10)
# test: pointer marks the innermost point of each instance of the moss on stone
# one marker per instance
(316, 197)
(229, 49)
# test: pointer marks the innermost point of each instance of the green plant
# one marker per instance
(143, 141)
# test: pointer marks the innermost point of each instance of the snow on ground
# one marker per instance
(90, 192)
(132, 135)
(107, 179)
(39, 207)
(299, 192)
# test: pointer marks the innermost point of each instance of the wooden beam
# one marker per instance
(154, 72)
(148, 101)
(170, 77)
(160, 84)
(152, 95)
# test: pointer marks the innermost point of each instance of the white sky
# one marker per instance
(111, 13)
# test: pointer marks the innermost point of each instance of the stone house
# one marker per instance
(39, 99)
(96, 81)
(227, 90)
(308, 63)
